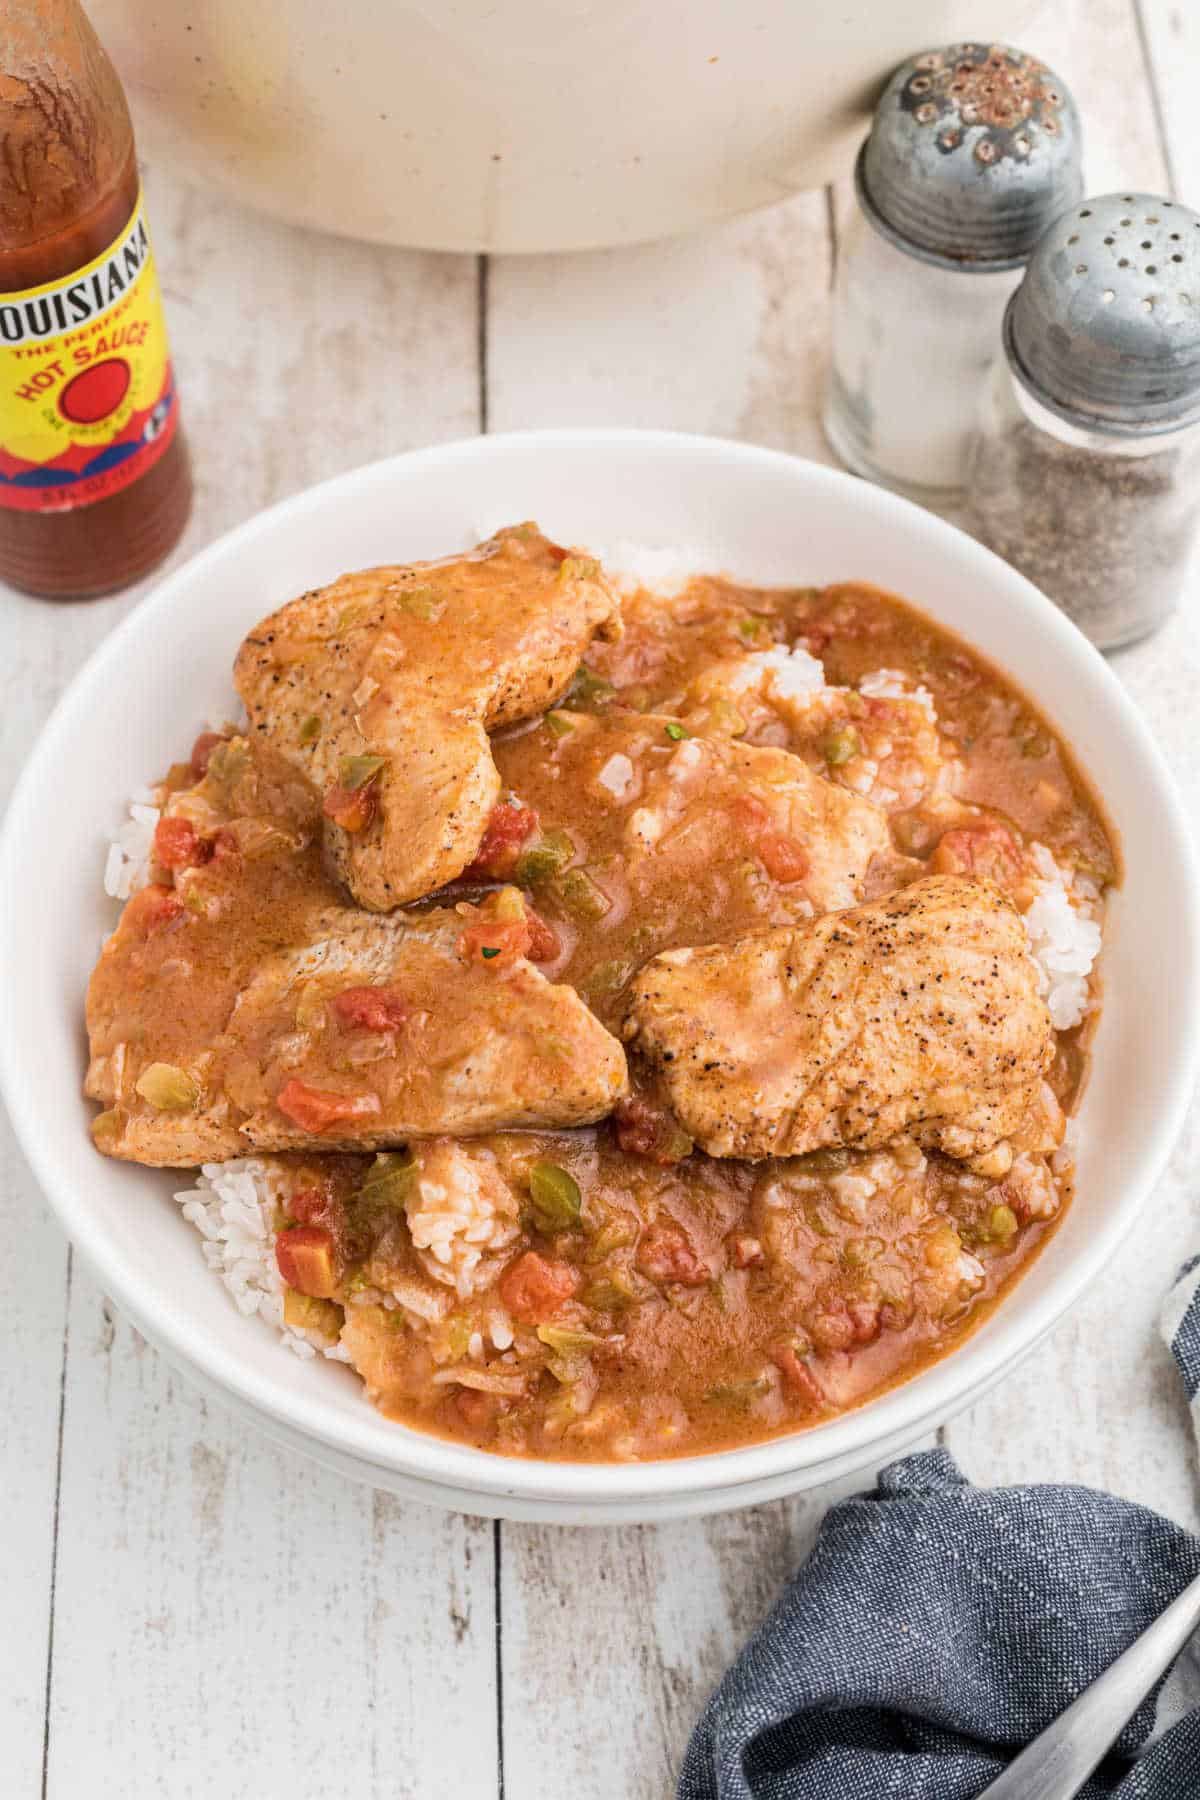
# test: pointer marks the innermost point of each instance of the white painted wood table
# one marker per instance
(186, 1611)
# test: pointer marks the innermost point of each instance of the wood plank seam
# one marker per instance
(1156, 98)
(831, 231)
(481, 353)
(498, 1617)
(481, 338)
(62, 1407)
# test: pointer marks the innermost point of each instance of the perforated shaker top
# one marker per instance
(1105, 326)
(974, 149)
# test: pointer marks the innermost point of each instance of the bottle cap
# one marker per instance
(973, 151)
(1104, 329)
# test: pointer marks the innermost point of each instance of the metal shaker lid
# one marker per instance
(973, 150)
(1104, 329)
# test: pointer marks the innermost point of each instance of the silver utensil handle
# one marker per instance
(1056, 1764)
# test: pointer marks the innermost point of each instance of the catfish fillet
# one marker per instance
(371, 1032)
(917, 1015)
(383, 686)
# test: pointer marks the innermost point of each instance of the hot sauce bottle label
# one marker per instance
(87, 397)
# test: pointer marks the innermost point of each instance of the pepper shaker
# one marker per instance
(973, 150)
(1085, 473)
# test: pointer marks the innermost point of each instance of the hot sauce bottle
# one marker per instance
(95, 485)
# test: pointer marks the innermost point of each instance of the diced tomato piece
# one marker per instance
(843, 1322)
(535, 1287)
(636, 1125)
(321, 1204)
(309, 1205)
(497, 939)
(314, 1109)
(370, 1009)
(304, 1255)
(782, 857)
(1017, 1196)
(543, 939)
(817, 636)
(152, 908)
(496, 943)
(352, 808)
(646, 1130)
(504, 928)
(748, 814)
(178, 845)
(507, 829)
(665, 1254)
(798, 1377)
(832, 1329)
(224, 844)
(985, 851)
(864, 1316)
(746, 1252)
(202, 751)
(478, 1410)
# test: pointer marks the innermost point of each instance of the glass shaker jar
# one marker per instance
(973, 150)
(1085, 473)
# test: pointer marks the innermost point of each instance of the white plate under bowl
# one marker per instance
(756, 514)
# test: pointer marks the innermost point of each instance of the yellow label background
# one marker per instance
(33, 428)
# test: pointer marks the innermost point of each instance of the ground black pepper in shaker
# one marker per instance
(1085, 474)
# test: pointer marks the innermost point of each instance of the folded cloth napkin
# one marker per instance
(938, 1627)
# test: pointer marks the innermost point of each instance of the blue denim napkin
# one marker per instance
(938, 1627)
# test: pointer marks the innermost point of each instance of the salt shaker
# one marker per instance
(1085, 473)
(973, 150)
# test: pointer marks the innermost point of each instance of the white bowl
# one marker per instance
(760, 515)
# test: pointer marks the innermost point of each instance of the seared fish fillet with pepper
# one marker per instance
(368, 1033)
(383, 686)
(916, 1016)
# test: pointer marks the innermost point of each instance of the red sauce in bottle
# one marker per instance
(95, 485)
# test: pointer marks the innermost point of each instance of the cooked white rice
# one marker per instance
(779, 673)
(231, 1207)
(1065, 937)
(891, 684)
(628, 564)
(127, 865)
(1067, 1154)
(664, 571)
(462, 1215)
(617, 776)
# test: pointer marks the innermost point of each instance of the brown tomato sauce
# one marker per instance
(626, 1296)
